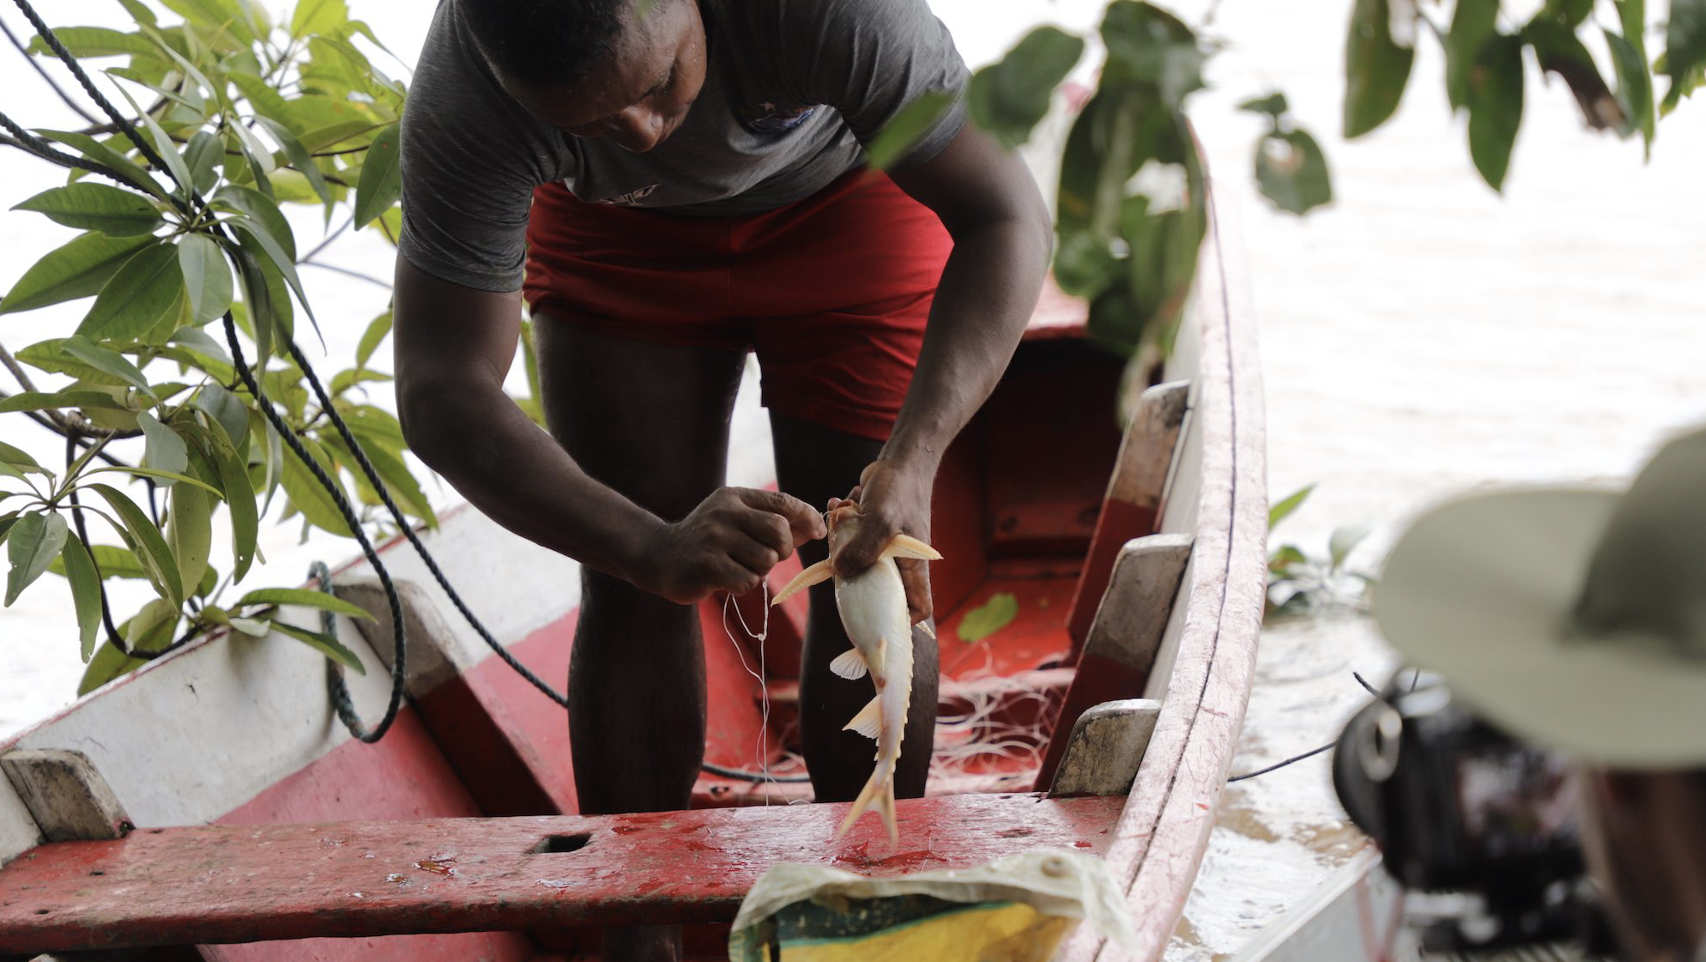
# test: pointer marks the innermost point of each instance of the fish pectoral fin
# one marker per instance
(850, 665)
(906, 546)
(869, 721)
(926, 627)
(815, 574)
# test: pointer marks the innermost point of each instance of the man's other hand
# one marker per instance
(728, 543)
(893, 499)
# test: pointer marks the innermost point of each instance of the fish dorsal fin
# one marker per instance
(869, 721)
(850, 665)
(812, 575)
(906, 546)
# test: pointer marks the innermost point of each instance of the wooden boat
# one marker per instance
(212, 805)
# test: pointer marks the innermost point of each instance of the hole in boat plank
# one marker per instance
(561, 843)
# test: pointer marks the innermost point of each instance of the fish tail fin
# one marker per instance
(879, 789)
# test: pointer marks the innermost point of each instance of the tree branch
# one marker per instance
(69, 102)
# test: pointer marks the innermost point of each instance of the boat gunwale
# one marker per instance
(1163, 831)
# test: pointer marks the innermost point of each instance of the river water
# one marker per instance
(1421, 336)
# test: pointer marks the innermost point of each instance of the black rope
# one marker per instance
(1279, 765)
(338, 689)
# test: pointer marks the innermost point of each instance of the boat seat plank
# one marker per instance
(230, 883)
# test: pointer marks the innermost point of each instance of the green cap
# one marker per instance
(1570, 616)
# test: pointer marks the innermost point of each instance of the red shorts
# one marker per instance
(831, 292)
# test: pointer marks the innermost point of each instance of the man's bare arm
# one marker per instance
(454, 345)
(988, 201)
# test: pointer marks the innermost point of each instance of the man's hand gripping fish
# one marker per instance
(874, 612)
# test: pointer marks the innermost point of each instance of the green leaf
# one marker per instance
(1634, 88)
(85, 591)
(240, 498)
(1150, 46)
(1291, 171)
(84, 42)
(113, 562)
(276, 256)
(1376, 68)
(1561, 52)
(990, 617)
(147, 542)
(401, 483)
(1685, 48)
(166, 450)
(327, 645)
(170, 477)
(370, 338)
(76, 270)
(344, 380)
(1279, 512)
(267, 299)
(163, 146)
(1273, 105)
(1284, 558)
(1495, 108)
(107, 664)
(223, 16)
(41, 401)
(203, 153)
(310, 497)
(139, 11)
(1010, 97)
(102, 154)
(1085, 265)
(1343, 541)
(1472, 25)
(891, 144)
(318, 16)
(20, 459)
(226, 410)
(207, 277)
(105, 360)
(381, 182)
(189, 530)
(305, 597)
(137, 297)
(34, 541)
(299, 157)
(87, 206)
(1567, 13)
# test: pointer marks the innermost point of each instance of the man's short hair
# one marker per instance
(547, 41)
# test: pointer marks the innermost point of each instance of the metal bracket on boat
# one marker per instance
(1106, 748)
(1132, 617)
(66, 796)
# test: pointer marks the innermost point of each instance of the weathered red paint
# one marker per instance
(230, 883)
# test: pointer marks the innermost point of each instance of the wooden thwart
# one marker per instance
(1106, 748)
(69, 800)
(215, 884)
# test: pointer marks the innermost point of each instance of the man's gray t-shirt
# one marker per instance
(793, 89)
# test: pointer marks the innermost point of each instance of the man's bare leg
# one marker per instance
(815, 463)
(652, 422)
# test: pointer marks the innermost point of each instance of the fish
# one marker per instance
(874, 612)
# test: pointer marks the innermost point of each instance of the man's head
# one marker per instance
(624, 69)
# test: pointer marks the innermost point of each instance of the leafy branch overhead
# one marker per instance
(236, 116)
(1487, 48)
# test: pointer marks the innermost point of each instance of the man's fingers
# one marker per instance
(861, 551)
(768, 530)
(804, 522)
(915, 576)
